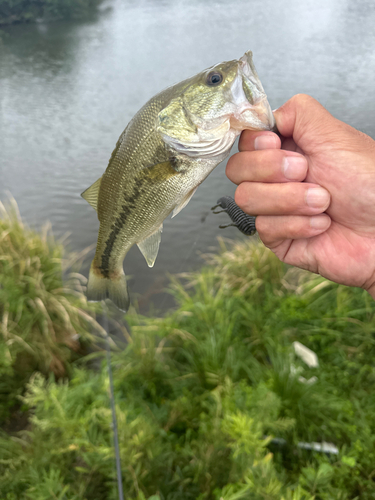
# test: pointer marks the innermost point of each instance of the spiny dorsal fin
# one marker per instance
(150, 246)
(92, 193)
(184, 202)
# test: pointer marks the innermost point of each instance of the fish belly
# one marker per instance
(146, 202)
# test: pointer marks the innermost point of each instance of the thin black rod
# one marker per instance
(113, 407)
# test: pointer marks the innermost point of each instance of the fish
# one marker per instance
(166, 151)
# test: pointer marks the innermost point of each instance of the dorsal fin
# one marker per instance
(92, 193)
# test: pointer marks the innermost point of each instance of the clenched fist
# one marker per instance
(313, 191)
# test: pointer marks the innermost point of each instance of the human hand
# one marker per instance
(313, 192)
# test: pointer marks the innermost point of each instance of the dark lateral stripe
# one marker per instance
(118, 224)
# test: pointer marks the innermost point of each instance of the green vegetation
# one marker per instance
(25, 11)
(201, 392)
(44, 321)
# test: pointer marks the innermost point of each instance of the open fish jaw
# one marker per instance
(242, 105)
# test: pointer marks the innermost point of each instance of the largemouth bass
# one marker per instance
(169, 147)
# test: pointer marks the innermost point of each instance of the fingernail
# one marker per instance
(317, 197)
(265, 142)
(294, 168)
(319, 222)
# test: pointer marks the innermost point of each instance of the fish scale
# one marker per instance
(169, 147)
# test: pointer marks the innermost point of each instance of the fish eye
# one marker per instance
(214, 78)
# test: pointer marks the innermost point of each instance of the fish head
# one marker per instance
(211, 109)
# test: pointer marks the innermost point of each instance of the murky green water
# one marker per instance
(68, 89)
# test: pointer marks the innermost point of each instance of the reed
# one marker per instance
(45, 320)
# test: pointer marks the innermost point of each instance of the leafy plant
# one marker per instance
(202, 393)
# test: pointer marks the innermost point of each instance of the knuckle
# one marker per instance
(245, 134)
(292, 202)
(287, 204)
(230, 166)
(297, 228)
(262, 226)
(241, 196)
(244, 140)
(236, 167)
(303, 99)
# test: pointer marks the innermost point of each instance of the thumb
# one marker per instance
(306, 120)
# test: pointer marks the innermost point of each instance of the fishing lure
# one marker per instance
(244, 222)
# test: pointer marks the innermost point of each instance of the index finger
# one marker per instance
(255, 141)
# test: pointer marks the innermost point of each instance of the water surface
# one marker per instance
(68, 89)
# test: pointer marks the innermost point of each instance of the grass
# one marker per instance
(45, 321)
(200, 393)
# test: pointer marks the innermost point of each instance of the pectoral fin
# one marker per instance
(184, 202)
(92, 193)
(150, 246)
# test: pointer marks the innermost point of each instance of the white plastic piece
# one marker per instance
(309, 381)
(307, 355)
(323, 447)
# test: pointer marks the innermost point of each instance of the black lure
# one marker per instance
(244, 222)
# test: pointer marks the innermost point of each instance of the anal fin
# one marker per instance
(184, 202)
(92, 193)
(150, 246)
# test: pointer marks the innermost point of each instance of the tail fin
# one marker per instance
(100, 288)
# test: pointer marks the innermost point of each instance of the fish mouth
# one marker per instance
(252, 110)
(253, 117)
(243, 105)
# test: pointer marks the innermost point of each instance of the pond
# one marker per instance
(68, 89)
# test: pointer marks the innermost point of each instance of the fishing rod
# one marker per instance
(112, 402)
